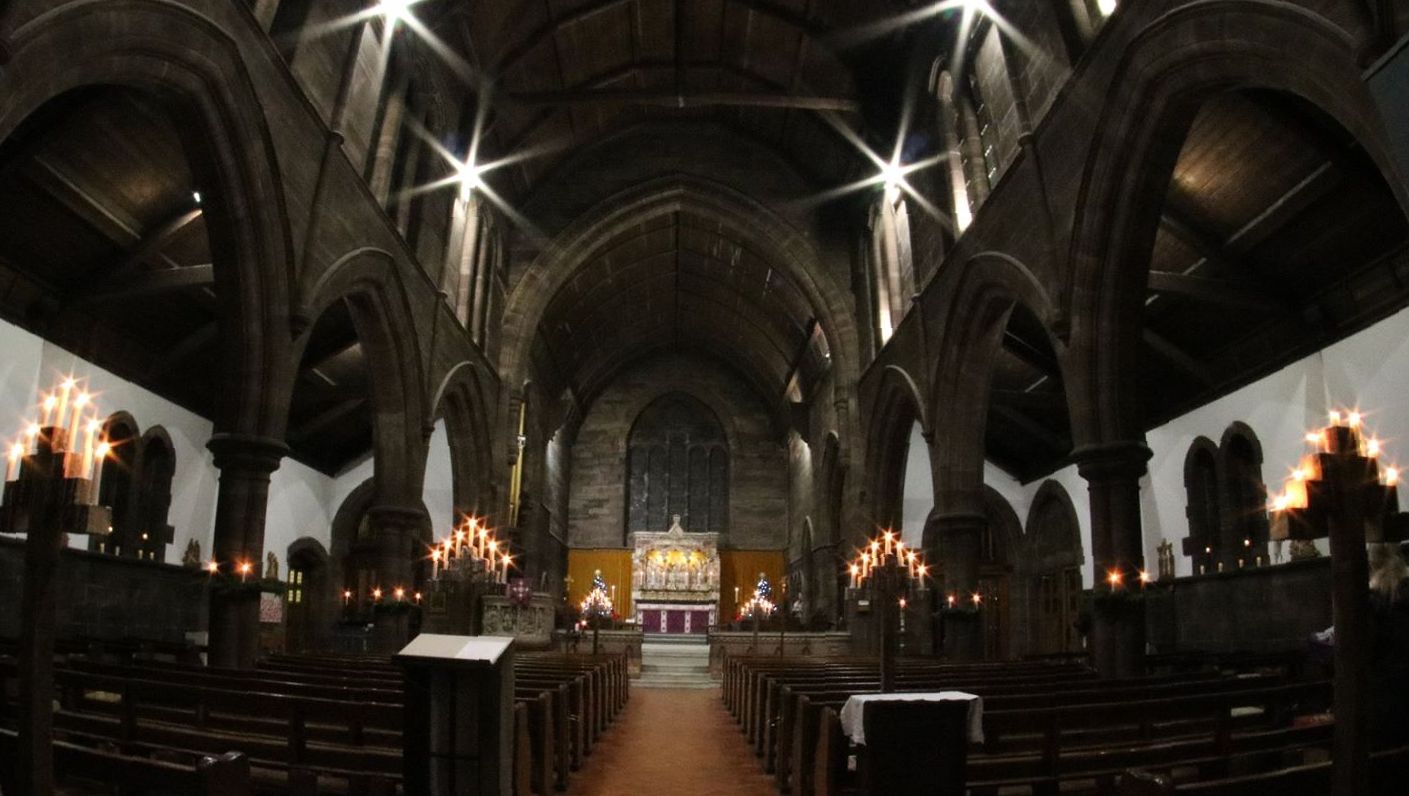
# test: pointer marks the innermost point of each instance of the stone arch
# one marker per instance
(1167, 71)
(370, 282)
(781, 242)
(195, 67)
(999, 549)
(979, 300)
(1053, 531)
(897, 408)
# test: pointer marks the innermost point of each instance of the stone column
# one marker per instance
(1112, 472)
(959, 536)
(398, 538)
(245, 463)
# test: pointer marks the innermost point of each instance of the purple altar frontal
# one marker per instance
(676, 617)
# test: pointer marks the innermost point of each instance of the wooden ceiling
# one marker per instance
(104, 251)
(1278, 236)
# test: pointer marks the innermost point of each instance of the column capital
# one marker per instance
(956, 521)
(247, 452)
(1112, 461)
(398, 517)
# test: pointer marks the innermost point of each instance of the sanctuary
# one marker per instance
(675, 579)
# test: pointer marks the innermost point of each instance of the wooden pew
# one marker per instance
(1388, 772)
(225, 775)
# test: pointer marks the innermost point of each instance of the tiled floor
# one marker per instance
(672, 743)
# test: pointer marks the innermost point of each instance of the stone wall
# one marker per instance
(1265, 608)
(758, 470)
(105, 597)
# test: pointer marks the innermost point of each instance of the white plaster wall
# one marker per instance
(917, 498)
(438, 492)
(349, 479)
(298, 507)
(1369, 370)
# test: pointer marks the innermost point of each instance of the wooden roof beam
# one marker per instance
(688, 99)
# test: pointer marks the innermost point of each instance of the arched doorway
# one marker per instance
(1053, 571)
(1245, 497)
(1202, 508)
(307, 598)
(996, 547)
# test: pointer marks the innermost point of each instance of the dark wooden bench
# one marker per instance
(226, 774)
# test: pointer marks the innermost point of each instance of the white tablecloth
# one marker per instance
(854, 727)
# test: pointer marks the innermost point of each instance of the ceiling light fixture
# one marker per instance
(469, 176)
(395, 10)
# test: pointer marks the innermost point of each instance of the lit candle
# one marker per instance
(212, 567)
(88, 442)
(64, 390)
(377, 594)
(46, 406)
(1391, 477)
(1114, 578)
(855, 575)
(951, 599)
(399, 593)
(1372, 448)
(977, 598)
(459, 541)
(505, 576)
(736, 595)
(95, 486)
(1353, 419)
(418, 598)
(435, 563)
(613, 592)
(888, 538)
(245, 568)
(1334, 417)
(346, 596)
(71, 443)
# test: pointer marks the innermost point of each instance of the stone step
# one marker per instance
(674, 668)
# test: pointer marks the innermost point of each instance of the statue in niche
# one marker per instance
(271, 566)
(192, 556)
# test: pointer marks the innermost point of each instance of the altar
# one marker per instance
(675, 580)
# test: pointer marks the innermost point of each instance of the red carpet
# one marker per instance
(672, 743)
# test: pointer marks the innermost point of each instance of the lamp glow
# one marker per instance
(1107, 7)
(395, 10)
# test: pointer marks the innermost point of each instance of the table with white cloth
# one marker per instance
(855, 728)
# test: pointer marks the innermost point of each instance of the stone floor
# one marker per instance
(675, 742)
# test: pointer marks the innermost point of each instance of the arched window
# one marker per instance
(677, 463)
(953, 141)
(116, 487)
(1244, 496)
(155, 473)
(892, 264)
(1205, 518)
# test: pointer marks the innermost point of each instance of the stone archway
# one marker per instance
(309, 599)
(1050, 568)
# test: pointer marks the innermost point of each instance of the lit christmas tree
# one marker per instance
(597, 605)
(761, 604)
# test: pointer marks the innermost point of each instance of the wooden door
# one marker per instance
(994, 588)
(296, 619)
(1058, 604)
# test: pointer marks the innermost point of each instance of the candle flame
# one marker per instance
(1372, 448)
(81, 400)
(212, 567)
(69, 383)
(50, 401)
(1299, 474)
(400, 593)
(104, 448)
(376, 594)
(977, 598)
(32, 431)
(924, 570)
(1114, 577)
(347, 594)
(1144, 576)
(1334, 416)
(94, 426)
(418, 596)
(1314, 437)
(245, 567)
(1353, 419)
(1391, 476)
(435, 554)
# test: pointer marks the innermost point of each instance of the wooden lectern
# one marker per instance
(459, 715)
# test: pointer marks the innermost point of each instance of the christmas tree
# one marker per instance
(764, 589)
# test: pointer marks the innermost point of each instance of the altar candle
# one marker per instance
(888, 538)
(46, 406)
(347, 596)
(855, 576)
(399, 593)
(377, 594)
(736, 595)
(245, 568)
(505, 576)
(613, 593)
(435, 564)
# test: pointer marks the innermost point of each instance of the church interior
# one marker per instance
(746, 397)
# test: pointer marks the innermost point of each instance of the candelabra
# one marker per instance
(893, 577)
(51, 489)
(1339, 491)
(466, 564)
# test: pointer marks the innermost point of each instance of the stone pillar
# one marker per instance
(245, 463)
(959, 536)
(1112, 472)
(398, 539)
